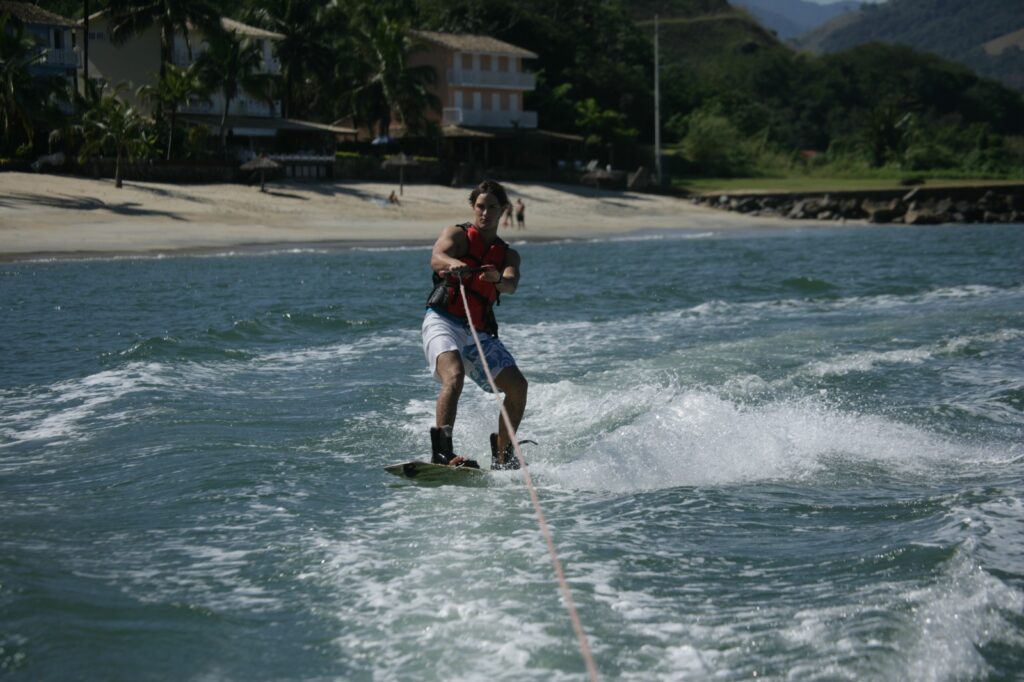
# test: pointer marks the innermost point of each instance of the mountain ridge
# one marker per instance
(955, 31)
(792, 18)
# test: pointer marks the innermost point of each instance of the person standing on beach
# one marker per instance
(521, 214)
(474, 254)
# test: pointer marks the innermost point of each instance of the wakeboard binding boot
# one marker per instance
(508, 461)
(441, 450)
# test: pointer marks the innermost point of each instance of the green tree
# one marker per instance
(69, 129)
(305, 52)
(132, 17)
(231, 65)
(386, 85)
(174, 88)
(114, 124)
(715, 146)
(603, 127)
(886, 132)
(24, 99)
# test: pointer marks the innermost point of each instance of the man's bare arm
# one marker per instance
(451, 245)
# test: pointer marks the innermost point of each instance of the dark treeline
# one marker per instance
(734, 99)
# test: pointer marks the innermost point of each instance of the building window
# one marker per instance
(97, 35)
(495, 101)
(503, 64)
(467, 62)
(485, 62)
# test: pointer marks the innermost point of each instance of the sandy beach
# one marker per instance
(48, 215)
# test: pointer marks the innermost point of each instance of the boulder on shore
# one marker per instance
(919, 206)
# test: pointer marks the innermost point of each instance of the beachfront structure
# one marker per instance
(480, 80)
(136, 62)
(482, 83)
(53, 33)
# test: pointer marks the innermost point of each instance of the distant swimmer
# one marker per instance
(521, 214)
(487, 267)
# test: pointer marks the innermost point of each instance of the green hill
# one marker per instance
(735, 99)
(957, 31)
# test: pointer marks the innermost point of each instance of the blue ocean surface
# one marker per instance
(795, 454)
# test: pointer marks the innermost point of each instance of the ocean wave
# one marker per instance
(948, 623)
(577, 336)
(867, 361)
(655, 438)
(163, 348)
(397, 248)
(652, 236)
(68, 410)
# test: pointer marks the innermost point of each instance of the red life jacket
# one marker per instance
(481, 295)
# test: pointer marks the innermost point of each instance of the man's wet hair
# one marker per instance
(489, 187)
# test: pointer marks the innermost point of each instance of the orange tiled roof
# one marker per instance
(31, 14)
(465, 42)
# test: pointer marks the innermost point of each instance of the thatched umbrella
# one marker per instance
(400, 160)
(262, 163)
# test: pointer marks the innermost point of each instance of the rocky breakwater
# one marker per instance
(917, 206)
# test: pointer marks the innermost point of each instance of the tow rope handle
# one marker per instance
(467, 271)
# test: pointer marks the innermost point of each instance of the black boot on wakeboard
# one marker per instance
(441, 450)
(508, 462)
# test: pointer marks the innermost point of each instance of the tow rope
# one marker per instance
(570, 605)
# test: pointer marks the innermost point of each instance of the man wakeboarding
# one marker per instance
(487, 267)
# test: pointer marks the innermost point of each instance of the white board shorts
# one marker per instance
(442, 334)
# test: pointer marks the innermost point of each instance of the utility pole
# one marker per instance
(657, 106)
(85, 49)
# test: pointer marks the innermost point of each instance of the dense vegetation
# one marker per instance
(954, 30)
(735, 100)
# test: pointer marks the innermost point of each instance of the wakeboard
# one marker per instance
(426, 472)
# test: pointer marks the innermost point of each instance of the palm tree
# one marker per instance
(69, 129)
(230, 64)
(603, 127)
(305, 49)
(132, 17)
(113, 123)
(175, 87)
(24, 98)
(388, 86)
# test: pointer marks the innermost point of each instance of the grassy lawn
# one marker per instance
(819, 184)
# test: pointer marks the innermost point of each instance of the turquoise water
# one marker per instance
(795, 454)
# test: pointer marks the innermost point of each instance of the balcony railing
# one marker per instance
(55, 57)
(490, 119)
(240, 106)
(515, 80)
(180, 57)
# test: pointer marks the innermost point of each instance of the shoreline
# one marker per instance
(246, 249)
(54, 217)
